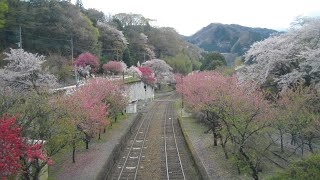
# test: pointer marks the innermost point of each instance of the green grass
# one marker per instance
(131, 80)
(164, 88)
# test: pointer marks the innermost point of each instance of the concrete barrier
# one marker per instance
(105, 172)
(196, 159)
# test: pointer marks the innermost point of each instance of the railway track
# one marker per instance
(129, 164)
(174, 168)
(157, 150)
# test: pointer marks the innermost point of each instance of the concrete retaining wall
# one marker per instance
(198, 162)
(105, 172)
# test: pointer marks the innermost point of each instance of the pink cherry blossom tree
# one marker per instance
(87, 59)
(17, 153)
(147, 75)
(90, 107)
(114, 67)
(234, 112)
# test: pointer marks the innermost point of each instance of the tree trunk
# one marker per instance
(281, 140)
(215, 138)
(215, 135)
(36, 174)
(99, 135)
(293, 139)
(225, 151)
(26, 176)
(238, 169)
(87, 144)
(37, 168)
(104, 130)
(25, 169)
(255, 175)
(223, 145)
(73, 153)
(252, 167)
(87, 140)
(302, 146)
(310, 145)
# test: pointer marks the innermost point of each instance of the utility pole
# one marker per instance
(75, 70)
(20, 37)
(113, 51)
(117, 54)
(182, 107)
(71, 43)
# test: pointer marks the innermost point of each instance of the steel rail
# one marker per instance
(169, 107)
(151, 112)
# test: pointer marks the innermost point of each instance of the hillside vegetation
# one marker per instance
(60, 29)
(228, 38)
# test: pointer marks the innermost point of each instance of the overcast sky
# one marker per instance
(189, 16)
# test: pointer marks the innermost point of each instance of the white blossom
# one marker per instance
(112, 31)
(134, 71)
(285, 59)
(24, 71)
(124, 66)
(163, 72)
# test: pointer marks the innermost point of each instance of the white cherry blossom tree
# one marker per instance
(285, 59)
(24, 71)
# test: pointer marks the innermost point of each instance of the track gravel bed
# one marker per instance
(190, 168)
(151, 162)
(152, 165)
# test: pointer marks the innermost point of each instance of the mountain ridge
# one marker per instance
(228, 38)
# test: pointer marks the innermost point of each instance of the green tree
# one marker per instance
(3, 10)
(180, 63)
(301, 119)
(61, 67)
(239, 61)
(308, 168)
(47, 27)
(41, 121)
(112, 40)
(94, 15)
(79, 4)
(212, 60)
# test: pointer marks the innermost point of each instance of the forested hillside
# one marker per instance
(230, 38)
(59, 29)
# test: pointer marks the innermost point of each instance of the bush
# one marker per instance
(308, 168)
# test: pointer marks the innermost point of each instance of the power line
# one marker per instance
(73, 47)
(42, 37)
